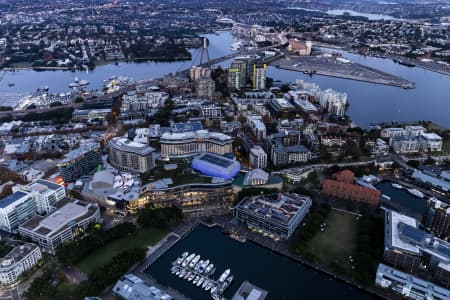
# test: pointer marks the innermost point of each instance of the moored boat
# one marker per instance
(194, 261)
(397, 186)
(224, 275)
(416, 193)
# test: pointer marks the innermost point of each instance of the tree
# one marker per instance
(162, 218)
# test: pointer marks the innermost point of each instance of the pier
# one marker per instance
(341, 68)
(200, 272)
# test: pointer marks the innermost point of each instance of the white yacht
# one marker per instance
(224, 275)
(188, 260)
(205, 283)
(203, 266)
(194, 261)
(209, 268)
(397, 186)
(200, 281)
(416, 193)
(182, 257)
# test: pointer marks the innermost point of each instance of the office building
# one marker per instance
(285, 155)
(409, 286)
(259, 76)
(414, 250)
(126, 155)
(216, 166)
(47, 193)
(205, 87)
(69, 220)
(131, 287)
(197, 72)
(342, 186)
(19, 260)
(258, 157)
(239, 73)
(184, 144)
(277, 214)
(437, 217)
(16, 209)
(80, 161)
(234, 79)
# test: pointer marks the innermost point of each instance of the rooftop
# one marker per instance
(82, 150)
(12, 198)
(281, 208)
(392, 237)
(124, 144)
(69, 211)
(248, 291)
(17, 254)
(131, 287)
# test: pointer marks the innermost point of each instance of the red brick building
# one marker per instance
(342, 187)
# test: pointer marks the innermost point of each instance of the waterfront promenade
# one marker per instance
(227, 224)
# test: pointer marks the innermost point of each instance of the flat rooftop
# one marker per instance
(248, 291)
(17, 254)
(11, 199)
(83, 149)
(69, 211)
(392, 235)
(281, 208)
(216, 160)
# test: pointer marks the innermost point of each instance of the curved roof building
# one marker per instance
(129, 156)
(182, 144)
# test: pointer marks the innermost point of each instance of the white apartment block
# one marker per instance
(431, 142)
(18, 260)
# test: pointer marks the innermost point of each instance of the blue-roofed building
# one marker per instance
(412, 249)
(277, 215)
(15, 209)
(216, 166)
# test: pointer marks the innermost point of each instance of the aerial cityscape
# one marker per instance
(227, 150)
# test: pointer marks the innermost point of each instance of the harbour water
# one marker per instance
(369, 103)
(400, 197)
(58, 81)
(279, 275)
(375, 103)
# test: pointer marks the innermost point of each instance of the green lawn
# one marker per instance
(140, 238)
(338, 241)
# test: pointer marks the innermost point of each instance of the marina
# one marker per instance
(401, 198)
(200, 272)
(280, 276)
